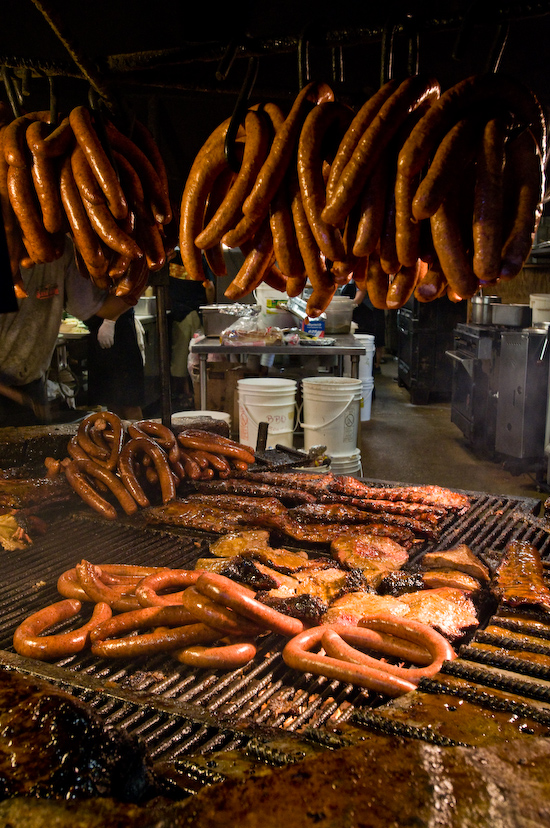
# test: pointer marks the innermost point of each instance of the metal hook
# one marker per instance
(481, 13)
(238, 112)
(25, 82)
(53, 100)
(226, 62)
(387, 53)
(12, 97)
(413, 36)
(497, 47)
(337, 55)
(409, 27)
(303, 59)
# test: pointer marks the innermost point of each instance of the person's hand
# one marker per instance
(106, 334)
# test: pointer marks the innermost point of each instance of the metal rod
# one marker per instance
(161, 292)
(89, 70)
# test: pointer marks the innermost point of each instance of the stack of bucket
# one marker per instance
(366, 365)
(331, 415)
(266, 400)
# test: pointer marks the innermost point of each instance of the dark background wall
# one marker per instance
(159, 60)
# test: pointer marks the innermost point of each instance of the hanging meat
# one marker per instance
(417, 193)
(85, 177)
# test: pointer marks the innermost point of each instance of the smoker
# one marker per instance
(475, 363)
(500, 388)
(522, 394)
(424, 333)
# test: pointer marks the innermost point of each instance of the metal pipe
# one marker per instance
(161, 292)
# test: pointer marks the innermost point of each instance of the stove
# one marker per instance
(523, 394)
(475, 365)
(500, 390)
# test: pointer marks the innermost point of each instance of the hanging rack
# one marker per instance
(11, 92)
(88, 70)
(138, 66)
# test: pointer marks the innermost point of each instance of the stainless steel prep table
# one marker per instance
(345, 345)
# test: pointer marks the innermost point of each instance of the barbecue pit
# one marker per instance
(183, 715)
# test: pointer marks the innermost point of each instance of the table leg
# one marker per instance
(202, 380)
(354, 366)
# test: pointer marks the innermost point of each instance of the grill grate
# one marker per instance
(179, 712)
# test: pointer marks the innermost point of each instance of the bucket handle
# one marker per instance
(330, 422)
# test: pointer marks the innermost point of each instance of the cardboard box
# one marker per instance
(221, 388)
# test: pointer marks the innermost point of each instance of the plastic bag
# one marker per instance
(250, 330)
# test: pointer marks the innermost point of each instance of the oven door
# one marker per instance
(463, 391)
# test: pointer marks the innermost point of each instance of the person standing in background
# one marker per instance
(186, 298)
(28, 338)
(116, 377)
(369, 320)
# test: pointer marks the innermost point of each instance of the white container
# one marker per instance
(192, 415)
(366, 404)
(540, 305)
(272, 314)
(339, 313)
(366, 363)
(266, 400)
(350, 464)
(331, 411)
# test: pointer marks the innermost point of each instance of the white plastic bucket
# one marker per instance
(366, 363)
(540, 304)
(350, 464)
(266, 400)
(272, 314)
(331, 408)
(216, 415)
(366, 405)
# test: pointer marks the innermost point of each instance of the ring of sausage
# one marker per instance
(225, 657)
(172, 629)
(28, 641)
(158, 432)
(226, 592)
(147, 591)
(101, 454)
(120, 599)
(216, 615)
(77, 472)
(147, 446)
(336, 642)
(122, 578)
(297, 654)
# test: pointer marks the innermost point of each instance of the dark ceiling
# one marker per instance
(162, 60)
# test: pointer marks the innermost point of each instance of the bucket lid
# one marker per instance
(345, 383)
(266, 383)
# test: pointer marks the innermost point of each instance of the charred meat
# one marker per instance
(52, 746)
